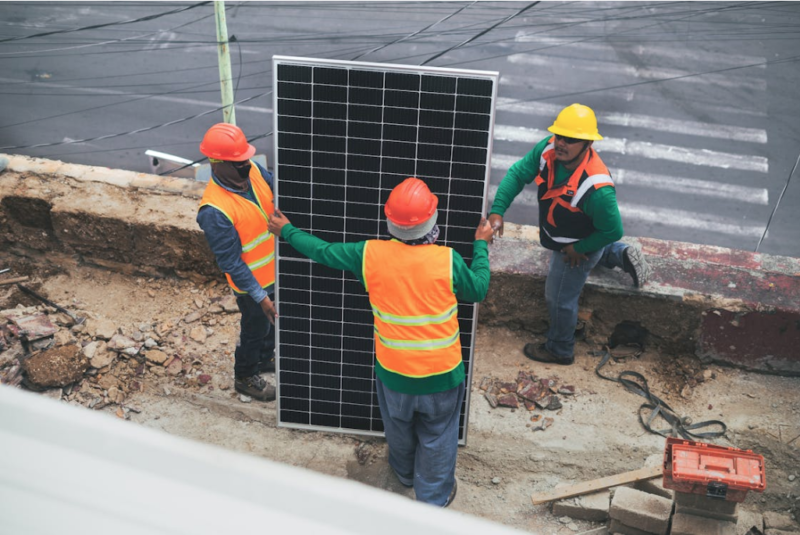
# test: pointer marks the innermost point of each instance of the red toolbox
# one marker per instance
(714, 471)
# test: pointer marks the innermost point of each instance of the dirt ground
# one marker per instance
(596, 433)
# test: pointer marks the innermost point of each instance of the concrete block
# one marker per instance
(699, 505)
(596, 531)
(773, 520)
(593, 507)
(654, 486)
(749, 523)
(619, 528)
(683, 524)
(641, 510)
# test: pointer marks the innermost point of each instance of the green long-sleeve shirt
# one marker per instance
(601, 206)
(469, 284)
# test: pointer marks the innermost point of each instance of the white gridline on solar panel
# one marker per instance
(356, 219)
(453, 112)
(384, 88)
(337, 279)
(339, 377)
(382, 123)
(341, 348)
(380, 157)
(458, 196)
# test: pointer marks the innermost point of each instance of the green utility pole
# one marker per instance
(225, 78)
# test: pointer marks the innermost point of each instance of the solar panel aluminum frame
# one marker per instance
(492, 76)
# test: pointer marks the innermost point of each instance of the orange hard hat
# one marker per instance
(227, 142)
(411, 209)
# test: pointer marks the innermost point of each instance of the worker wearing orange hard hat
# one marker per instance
(413, 287)
(233, 216)
(579, 221)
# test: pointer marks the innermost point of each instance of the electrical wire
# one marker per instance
(785, 187)
(96, 26)
(113, 41)
(400, 40)
(484, 32)
(137, 131)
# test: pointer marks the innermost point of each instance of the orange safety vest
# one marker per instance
(416, 313)
(561, 218)
(250, 221)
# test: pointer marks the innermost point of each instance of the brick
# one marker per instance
(773, 520)
(641, 510)
(683, 524)
(593, 507)
(619, 528)
(749, 520)
(699, 505)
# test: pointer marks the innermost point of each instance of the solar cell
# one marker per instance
(346, 133)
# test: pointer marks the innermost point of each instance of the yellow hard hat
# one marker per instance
(577, 121)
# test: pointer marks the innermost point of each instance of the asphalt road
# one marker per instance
(697, 101)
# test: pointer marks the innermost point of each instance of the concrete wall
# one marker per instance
(725, 305)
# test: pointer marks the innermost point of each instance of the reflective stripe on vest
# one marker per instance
(561, 217)
(250, 221)
(415, 310)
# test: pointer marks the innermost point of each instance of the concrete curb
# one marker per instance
(725, 305)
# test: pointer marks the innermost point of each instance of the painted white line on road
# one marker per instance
(537, 86)
(690, 220)
(649, 122)
(681, 185)
(652, 151)
(618, 69)
(177, 100)
(692, 186)
(662, 216)
(680, 53)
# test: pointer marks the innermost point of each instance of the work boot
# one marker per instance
(256, 387)
(540, 353)
(452, 494)
(635, 265)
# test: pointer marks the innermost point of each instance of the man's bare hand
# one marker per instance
(572, 256)
(496, 222)
(277, 221)
(269, 309)
(484, 231)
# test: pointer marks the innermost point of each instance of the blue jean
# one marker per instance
(422, 433)
(563, 289)
(256, 337)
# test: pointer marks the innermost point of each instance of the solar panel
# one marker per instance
(346, 133)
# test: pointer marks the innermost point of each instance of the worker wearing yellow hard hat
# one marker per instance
(579, 221)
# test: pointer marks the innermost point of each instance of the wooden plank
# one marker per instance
(597, 484)
(12, 281)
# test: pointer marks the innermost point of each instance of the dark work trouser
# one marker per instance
(256, 337)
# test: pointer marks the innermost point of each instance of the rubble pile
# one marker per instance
(97, 363)
(529, 391)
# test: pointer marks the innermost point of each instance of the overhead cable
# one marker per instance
(96, 26)
(409, 36)
(484, 32)
(785, 187)
(137, 131)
